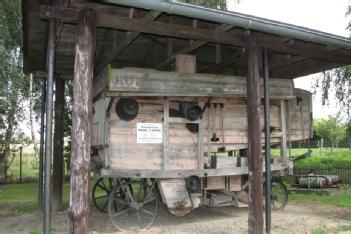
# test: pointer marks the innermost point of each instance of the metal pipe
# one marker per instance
(41, 149)
(267, 140)
(239, 20)
(48, 132)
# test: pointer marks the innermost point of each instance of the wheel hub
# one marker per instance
(136, 206)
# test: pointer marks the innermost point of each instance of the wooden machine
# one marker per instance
(180, 138)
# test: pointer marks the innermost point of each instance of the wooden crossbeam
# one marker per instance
(194, 45)
(273, 43)
(302, 68)
(123, 45)
(238, 56)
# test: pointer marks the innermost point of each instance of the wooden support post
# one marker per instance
(283, 142)
(81, 121)
(254, 139)
(58, 173)
(267, 140)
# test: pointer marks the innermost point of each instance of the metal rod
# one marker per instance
(267, 140)
(21, 149)
(41, 149)
(48, 132)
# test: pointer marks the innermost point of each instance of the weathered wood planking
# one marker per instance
(100, 125)
(300, 116)
(123, 152)
(148, 82)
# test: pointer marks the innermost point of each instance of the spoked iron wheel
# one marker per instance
(134, 204)
(279, 195)
(101, 191)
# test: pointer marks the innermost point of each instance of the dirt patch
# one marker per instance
(298, 217)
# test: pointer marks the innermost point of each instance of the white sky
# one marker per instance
(323, 15)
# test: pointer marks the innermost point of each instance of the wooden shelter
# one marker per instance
(78, 40)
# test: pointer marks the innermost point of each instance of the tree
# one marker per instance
(13, 83)
(336, 83)
(216, 4)
(333, 129)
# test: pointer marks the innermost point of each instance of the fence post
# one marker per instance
(20, 180)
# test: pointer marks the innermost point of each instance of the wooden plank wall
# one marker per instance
(99, 123)
(124, 152)
(300, 116)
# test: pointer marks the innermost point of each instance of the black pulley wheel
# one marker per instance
(193, 112)
(127, 109)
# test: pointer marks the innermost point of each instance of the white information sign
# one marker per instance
(149, 133)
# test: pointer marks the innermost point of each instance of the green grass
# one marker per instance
(341, 156)
(22, 198)
(345, 228)
(320, 230)
(340, 200)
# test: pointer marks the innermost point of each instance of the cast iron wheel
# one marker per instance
(135, 209)
(279, 196)
(101, 191)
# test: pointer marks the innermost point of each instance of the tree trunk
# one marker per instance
(58, 172)
(7, 145)
(81, 121)
(31, 122)
(255, 219)
(321, 149)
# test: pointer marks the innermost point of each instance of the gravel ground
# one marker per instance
(298, 217)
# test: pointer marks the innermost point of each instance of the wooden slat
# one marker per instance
(144, 81)
(145, 173)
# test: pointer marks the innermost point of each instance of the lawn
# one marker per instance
(340, 200)
(16, 198)
(340, 156)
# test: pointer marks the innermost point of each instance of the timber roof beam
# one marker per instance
(137, 25)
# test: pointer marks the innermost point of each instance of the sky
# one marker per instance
(323, 15)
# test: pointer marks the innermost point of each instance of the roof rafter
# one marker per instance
(131, 36)
(194, 45)
(273, 43)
